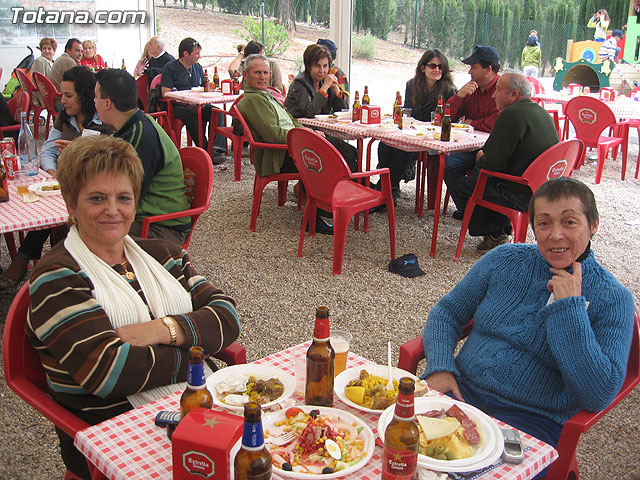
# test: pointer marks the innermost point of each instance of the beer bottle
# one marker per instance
(402, 437)
(320, 363)
(395, 104)
(397, 112)
(196, 394)
(123, 66)
(216, 78)
(207, 87)
(365, 97)
(357, 109)
(445, 131)
(438, 112)
(4, 188)
(253, 461)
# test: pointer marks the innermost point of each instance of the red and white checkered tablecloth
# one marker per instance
(624, 108)
(200, 98)
(15, 215)
(130, 446)
(344, 131)
(412, 143)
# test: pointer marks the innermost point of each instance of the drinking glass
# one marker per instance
(340, 341)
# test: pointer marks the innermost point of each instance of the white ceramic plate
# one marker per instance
(385, 126)
(197, 89)
(326, 117)
(487, 452)
(37, 188)
(341, 381)
(262, 372)
(269, 424)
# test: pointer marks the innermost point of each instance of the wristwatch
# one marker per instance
(170, 323)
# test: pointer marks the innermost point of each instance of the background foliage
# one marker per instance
(455, 26)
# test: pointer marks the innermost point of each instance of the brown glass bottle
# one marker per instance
(365, 97)
(401, 437)
(235, 86)
(397, 112)
(445, 131)
(196, 394)
(206, 85)
(356, 114)
(320, 363)
(253, 461)
(124, 67)
(216, 78)
(438, 112)
(4, 188)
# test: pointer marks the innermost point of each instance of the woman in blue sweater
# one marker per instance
(552, 328)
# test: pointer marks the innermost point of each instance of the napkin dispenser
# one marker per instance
(370, 114)
(574, 88)
(226, 86)
(204, 445)
(608, 94)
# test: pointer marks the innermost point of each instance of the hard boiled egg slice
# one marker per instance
(333, 449)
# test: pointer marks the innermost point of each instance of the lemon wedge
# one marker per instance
(355, 394)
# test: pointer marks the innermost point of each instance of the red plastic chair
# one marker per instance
(329, 185)
(590, 117)
(280, 98)
(557, 161)
(143, 90)
(163, 119)
(557, 116)
(25, 374)
(35, 108)
(237, 141)
(566, 466)
(259, 183)
(198, 171)
(49, 93)
(176, 124)
(18, 103)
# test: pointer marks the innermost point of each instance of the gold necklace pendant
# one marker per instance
(129, 275)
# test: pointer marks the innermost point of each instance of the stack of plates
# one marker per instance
(487, 452)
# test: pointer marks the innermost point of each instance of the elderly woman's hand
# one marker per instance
(149, 333)
(444, 382)
(329, 81)
(564, 284)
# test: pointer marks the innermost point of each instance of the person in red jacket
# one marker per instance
(474, 105)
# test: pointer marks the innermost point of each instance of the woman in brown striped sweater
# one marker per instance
(113, 318)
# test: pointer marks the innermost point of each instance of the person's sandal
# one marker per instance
(6, 283)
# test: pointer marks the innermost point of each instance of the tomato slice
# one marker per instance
(292, 412)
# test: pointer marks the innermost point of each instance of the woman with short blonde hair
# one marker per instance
(90, 57)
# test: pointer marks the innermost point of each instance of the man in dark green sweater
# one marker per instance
(163, 189)
(521, 133)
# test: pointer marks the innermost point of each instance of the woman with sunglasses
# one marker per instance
(432, 79)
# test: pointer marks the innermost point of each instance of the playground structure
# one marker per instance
(583, 67)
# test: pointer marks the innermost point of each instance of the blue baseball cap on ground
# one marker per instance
(482, 53)
(406, 265)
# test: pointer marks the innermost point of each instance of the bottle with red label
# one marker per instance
(438, 112)
(401, 437)
(124, 67)
(365, 97)
(206, 85)
(356, 115)
(397, 111)
(253, 461)
(216, 78)
(320, 363)
(235, 86)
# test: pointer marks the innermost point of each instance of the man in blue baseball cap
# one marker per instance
(474, 105)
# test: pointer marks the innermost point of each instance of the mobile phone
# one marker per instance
(513, 451)
(167, 417)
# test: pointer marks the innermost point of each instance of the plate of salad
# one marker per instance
(327, 442)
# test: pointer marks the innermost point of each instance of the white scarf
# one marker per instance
(122, 303)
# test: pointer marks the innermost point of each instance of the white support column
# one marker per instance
(340, 25)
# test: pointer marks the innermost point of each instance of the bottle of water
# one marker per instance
(27, 149)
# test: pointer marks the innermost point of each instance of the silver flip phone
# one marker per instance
(513, 450)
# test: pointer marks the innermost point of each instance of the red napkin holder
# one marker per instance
(226, 86)
(574, 88)
(607, 94)
(204, 445)
(370, 114)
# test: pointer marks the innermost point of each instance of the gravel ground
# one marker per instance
(277, 292)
